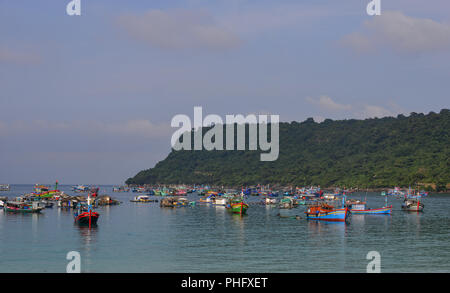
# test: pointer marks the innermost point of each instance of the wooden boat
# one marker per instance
(106, 200)
(172, 202)
(286, 203)
(238, 206)
(80, 188)
(325, 212)
(412, 205)
(143, 198)
(121, 189)
(360, 208)
(270, 201)
(220, 201)
(85, 216)
(23, 207)
(3, 200)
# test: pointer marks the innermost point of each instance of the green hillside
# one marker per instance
(365, 153)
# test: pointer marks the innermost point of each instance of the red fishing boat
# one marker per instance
(85, 215)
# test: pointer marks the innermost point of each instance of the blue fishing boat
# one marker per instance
(325, 212)
(360, 208)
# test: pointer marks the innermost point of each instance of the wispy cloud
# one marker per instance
(178, 29)
(400, 32)
(326, 103)
(328, 106)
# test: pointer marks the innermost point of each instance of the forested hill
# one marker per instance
(370, 153)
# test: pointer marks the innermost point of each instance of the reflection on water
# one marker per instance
(87, 235)
(325, 228)
(88, 239)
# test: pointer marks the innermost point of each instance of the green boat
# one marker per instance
(238, 206)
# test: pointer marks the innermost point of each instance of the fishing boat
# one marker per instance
(220, 201)
(412, 201)
(326, 212)
(85, 216)
(22, 207)
(39, 188)
(80, 188)
(143, 198)
(121, 189)
(237, 205)
(360, 208)
(270, 201)
(412, 205)
(396, 192)
(286, 203)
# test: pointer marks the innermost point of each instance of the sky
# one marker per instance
(89, 99)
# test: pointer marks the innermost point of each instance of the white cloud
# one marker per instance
(401, 33)
(326, 103)
(371, 111)
(178, 30)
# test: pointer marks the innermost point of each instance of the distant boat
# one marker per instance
(22, 207)
(396, 191)
(412, 201)
(220, 201)
(39, 188)
(270, 200)
(286, 203)
(4, 187)
(80, 188)
(143, 198)
(121, 189)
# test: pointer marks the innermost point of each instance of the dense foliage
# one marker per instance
(370, 153)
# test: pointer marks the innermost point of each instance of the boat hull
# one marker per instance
(239, 208)
(337, 215)
(412, 206)
(26, 211)
(86, 219)
(380, 211)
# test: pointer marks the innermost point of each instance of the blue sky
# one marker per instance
(89, 99)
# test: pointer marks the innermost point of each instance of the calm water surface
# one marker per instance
(142, 237)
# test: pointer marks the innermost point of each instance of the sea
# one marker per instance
(145, 238)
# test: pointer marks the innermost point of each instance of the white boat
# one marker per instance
(220, 201)
(142, 198)
(80, 188)
(271, 200)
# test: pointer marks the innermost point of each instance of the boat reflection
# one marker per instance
(88, 235)
(323, 228)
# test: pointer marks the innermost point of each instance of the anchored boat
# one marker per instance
(412, 205)
(143, 198)
(237, 205)
(85, 216)
(360, 208)
(22, 207)
(326, 212)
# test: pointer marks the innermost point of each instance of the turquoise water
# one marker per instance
(142, 237)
